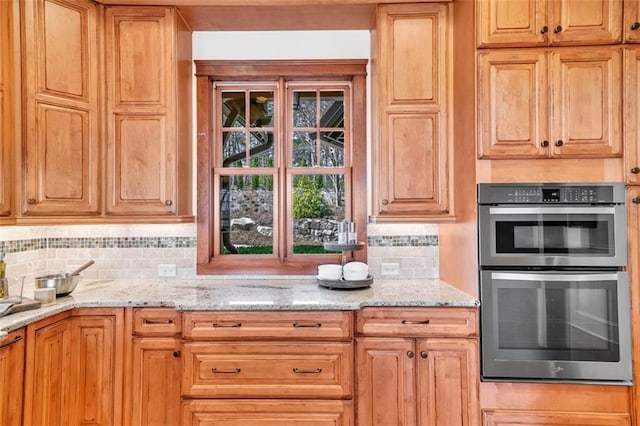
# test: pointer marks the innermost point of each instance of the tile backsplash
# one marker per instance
(136, 251)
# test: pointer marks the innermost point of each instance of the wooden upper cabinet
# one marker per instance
(632, 21)
(60, 73)
(7, 121)
(587, 102)
(412, 148)
(513, 104)
(148, 110)
(12, 350)
(550, 103)
(632, 116)
(503, 23)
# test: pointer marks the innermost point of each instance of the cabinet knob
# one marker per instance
(410, 354)
(424, 354)
(635, 170)
(636, 200)
(635, 26)
(176, 354)
(31, 201)
(168, 202)
(559, 142)
(544, 144)
(385, 202)
(544, 30)
(557, 29)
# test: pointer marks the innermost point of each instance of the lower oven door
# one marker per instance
(555, 325)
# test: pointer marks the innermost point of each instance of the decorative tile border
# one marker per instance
(16, 246)
(107, 242)
(402, 240)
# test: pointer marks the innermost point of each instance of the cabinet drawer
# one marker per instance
(419, 322)
(267, 370)
(316, 325)
(267, 413)
(156, 322)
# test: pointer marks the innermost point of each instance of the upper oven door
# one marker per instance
(552, 236)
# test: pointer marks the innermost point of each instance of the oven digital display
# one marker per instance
(551, 195)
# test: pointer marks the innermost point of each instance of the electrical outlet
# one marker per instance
(166, 270)
(389, 269)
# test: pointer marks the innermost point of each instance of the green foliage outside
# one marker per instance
(307, 200)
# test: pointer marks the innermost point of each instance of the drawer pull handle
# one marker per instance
(303, 371)
(222, 371)
(636, 200)
(150, 321)
(309, 325)
(415, 322)
(15, 340)
(227, 324)
(424, 354)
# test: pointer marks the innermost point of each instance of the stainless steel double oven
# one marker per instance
(553, 289)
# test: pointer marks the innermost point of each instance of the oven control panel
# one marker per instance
(550, 193)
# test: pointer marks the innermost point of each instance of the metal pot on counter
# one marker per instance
(64, 283)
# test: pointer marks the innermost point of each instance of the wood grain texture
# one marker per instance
(412, 111)
(12, 355)
(61, 149)
(503, 23)
(632, 115)
(631, 16)
(267, 413)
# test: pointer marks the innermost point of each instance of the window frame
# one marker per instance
(208, 73)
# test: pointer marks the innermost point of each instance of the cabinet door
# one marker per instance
(154, 382)
(49, 389)
(585, 22)
(413, 148)
(385, 382)
(632, 116)
(60, 75)
(512, 23)
(94, 371)
(587, 102)
(513, 107)
(141, 147)
(6, 106)
(448, 382)
(12, 351)
(632, 21)
(633, 232)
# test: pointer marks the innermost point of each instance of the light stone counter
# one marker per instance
(244, 294)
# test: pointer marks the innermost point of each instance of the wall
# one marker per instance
(136, 251)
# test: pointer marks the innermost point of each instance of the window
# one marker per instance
(282, 160)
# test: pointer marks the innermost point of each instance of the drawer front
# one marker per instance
(316, 325)
(156, 322)
(267, 370)
(418, 322)
(267, 413)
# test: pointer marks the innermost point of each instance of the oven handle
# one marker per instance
(552, 210)
(553, 277)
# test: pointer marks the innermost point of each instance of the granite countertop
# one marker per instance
(243, 294)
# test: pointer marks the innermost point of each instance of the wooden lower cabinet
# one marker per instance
(155, 382)
(267, 413)
(73, 373)
(153, 360)
(12, 378)
(524, 418)
(407, 381)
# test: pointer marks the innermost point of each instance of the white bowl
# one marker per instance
(330, 272)
(355, 271)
